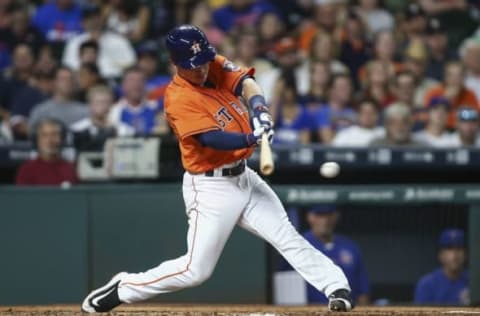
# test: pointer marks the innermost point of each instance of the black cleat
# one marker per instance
(340, 301)
(105, 298)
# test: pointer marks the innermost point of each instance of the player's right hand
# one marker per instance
(255, 138)
(262, 115)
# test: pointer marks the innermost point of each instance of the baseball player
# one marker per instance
(216, 135)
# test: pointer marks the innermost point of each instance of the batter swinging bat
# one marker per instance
(266, 161)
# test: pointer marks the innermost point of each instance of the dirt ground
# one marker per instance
(234, 310)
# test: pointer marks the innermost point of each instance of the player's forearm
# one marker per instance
(252, 93)
(222, 140)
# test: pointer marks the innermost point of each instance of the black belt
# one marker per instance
(229, 172)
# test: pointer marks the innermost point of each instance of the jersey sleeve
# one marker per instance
(228, 75)
(188, 119)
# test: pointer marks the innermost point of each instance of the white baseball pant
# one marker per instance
(214, 205)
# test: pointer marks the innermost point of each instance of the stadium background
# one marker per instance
(73, 232)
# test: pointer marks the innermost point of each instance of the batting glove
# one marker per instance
(263, 116)
(258, 131)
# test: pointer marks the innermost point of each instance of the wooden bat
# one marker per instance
(266, 160)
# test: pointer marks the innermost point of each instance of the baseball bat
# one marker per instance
(266, 160)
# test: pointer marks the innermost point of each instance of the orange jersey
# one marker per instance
(192, 110)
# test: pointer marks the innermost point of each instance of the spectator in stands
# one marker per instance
(271, 29)
(322, 221)
(461, 22)
(17, 76)
(6, 12)
(327, 17)
(376, 85)
(147, 62)
(435, 133)
(320, 76)
(376, 18)
(398, 127)
(404, 88)
(384, 50)
(61, 105)
(161, 82)
(366, 129)
(46, 62)
(323, 48)
(439, 54)
(288, 59)
(240, 13)
(90, 133)
(453, 88)
(293, 122)
(135, 110)
(20, 32)
(467, 134)
(129, 18)
(296, 13)
(89, 52)
(49, 168)
(115, 52)
(246, 48)
(447, 285)
(415, 61)
(337, 113)
(470, 52)
(58, 20)
(39, 90)
(415, 22)
(87, 77)
(202, 17)
(354, 48)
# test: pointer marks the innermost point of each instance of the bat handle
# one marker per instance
(266, 160)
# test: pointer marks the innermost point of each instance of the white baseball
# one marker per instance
(329, 169)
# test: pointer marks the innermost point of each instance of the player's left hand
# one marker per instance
(263, 116)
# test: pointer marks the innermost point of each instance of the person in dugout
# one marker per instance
(448, 284)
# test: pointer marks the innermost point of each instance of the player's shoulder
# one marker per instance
(346, 242)
(431, 279)
(223, 64)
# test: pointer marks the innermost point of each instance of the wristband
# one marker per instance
(257, 101)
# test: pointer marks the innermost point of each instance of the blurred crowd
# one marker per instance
(335, 72)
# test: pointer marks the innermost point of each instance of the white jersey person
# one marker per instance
(366, 129)
(435, 133)
(213, 127)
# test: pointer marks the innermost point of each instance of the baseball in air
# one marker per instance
(329, 169)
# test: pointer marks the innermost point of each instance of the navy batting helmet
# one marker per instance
(188, 47)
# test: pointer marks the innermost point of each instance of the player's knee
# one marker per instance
(199, 275)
